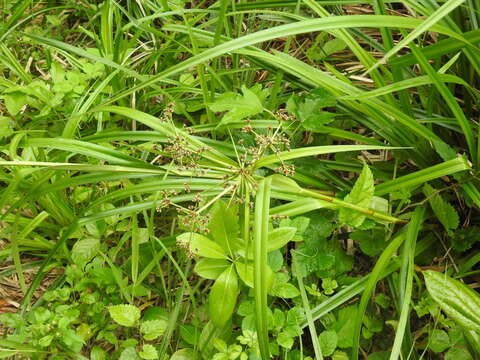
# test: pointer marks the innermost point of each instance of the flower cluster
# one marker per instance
(194, 222)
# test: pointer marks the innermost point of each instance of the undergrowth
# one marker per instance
(239, 180)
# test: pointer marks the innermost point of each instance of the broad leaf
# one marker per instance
(184, 354)
(456, 299)
(201, 245)
(211, 268)
(438, 341)
(223, 296)
(124, 314)
(279, 237)
(361, 195)
(457, 353)
(285, 340)
(308, 109)
(152, 329)
(6, 127)
(320, 50)
(284, 290)
(238, 106)
(283, 183)
(372, 242)
(129, 354)
(245, 272)
(14, 101)
(445, 212)
(345, 327)
(84, 250)
(148, 352)
(223, 226)
(328, 340)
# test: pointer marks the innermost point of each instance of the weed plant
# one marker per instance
(272, 179)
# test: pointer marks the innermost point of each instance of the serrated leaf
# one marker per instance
(14, 101)
(438, 341)
(129, 354)
(445, 212)
(465, 238)
(124, 314)
(372, 242)
(456, 299)
(345, 327)
(155, 313)
(185, 354)
(328, 340)
(361, 195)
(340, 355)
(455, 353)
(285, 340)
(148, 352)
(316, 123)
(84, 250)
(210, 268)
(238, 106)
(223, 296)
(301, 223)
(201, 245)
(152, 329)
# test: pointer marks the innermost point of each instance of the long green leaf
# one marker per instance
(407, 285)
(435, 17)
(300, 27)
(422, 176)
(312, 151)
(373, 278)
(261, 221)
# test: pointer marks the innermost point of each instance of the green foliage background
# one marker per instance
(239, 180)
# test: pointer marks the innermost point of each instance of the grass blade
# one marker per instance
(373, 278)
(434, 18)
(422, 176)
(311, 325)
(261, 220)
(406, 284)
